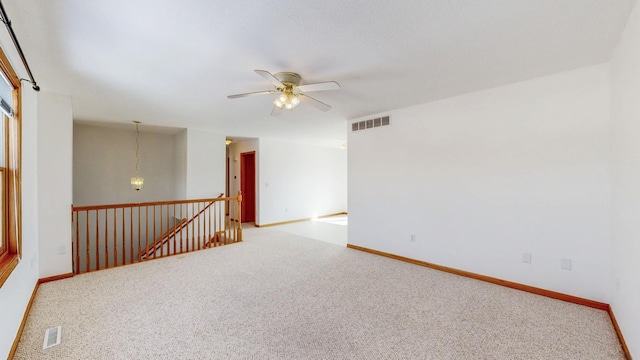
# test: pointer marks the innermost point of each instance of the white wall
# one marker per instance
(200, 166)
(625, 116)
(104, 163)
(55, 191)
(16, 291)
(300, 181)
(206, 165)
(482, 178)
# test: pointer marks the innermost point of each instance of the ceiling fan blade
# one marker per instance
(315, 103)
(272, 79)
(251, 94)
(276, 111)
(321, 86)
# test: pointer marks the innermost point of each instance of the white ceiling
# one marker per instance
(172, 63)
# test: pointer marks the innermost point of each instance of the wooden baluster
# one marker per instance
(215, 224)
(189, 234)
(221, 219)
(227, 225)
(139, 233)
(234, 228)
(124, 252)
(181, 232)
(161, 232)
(168, 236)
(106, 238)
(115, 237)
(205, 228)
(193, 227)
(77, 242)
(175, 221)
(146, 232)
(217, 227)
(131, 234)
(97, 244)
(232, 225)
(199, 204)
(224, 226)
(86, 259)
(212, 225)
(239, 216)
(154, 229)
(73, 242)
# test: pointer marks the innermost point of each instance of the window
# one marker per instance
(10, 161)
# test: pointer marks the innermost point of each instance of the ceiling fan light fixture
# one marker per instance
(287, 99)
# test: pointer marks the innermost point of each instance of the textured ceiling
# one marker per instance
(172, 63)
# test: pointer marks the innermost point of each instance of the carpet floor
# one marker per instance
(279, 295)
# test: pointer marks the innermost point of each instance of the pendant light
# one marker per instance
(137, 182)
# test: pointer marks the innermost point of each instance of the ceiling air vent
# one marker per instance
(371, 123)
(52, 337)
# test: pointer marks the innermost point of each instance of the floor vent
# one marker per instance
(52, 337)
(371, 123)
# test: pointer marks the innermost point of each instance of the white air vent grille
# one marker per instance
(52, 337)
(371, 123)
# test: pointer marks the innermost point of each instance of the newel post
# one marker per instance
(239, 216)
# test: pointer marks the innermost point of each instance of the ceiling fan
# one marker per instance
(291, 93)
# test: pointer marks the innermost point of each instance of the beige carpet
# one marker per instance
(282, 296)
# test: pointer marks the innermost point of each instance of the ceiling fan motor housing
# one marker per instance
(288, 78)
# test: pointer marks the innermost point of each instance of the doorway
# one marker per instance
(248, 185)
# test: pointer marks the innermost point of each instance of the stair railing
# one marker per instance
(106, 236)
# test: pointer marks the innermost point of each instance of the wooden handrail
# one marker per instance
(152, 203)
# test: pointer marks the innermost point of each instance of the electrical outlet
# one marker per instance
(526, 258)
(412, 238)
(62, 250)
(565, 264)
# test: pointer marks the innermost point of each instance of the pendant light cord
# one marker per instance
(137, 149)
